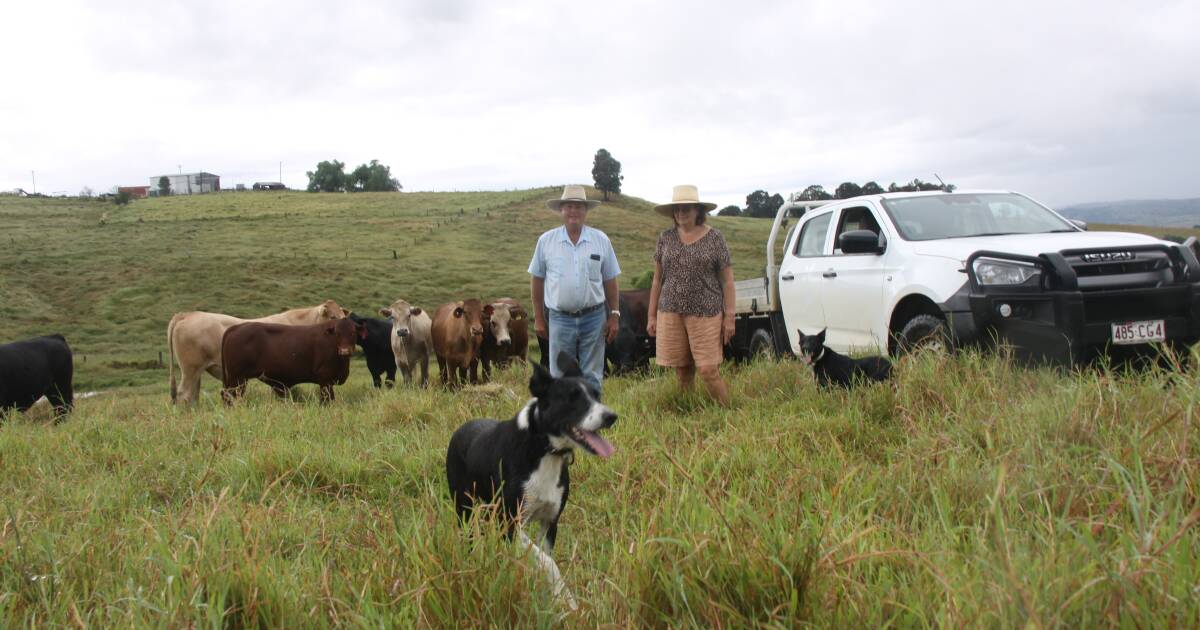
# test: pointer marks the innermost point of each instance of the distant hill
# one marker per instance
(1157, 212)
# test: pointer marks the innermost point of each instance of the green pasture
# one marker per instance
(110, 278)
(969, 492)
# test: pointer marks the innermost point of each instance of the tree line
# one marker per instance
(762, 205)
(331, 176)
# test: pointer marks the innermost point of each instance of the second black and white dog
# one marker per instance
(831, 367)
(523, 461)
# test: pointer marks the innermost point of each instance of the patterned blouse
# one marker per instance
(691, 274)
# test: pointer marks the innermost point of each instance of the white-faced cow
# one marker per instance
(194, 340)
(505, 335)
(412, 339)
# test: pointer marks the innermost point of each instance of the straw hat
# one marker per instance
(684, 194)
(572, 192)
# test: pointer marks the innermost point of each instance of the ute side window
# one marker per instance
(859, 218)
(812, 236)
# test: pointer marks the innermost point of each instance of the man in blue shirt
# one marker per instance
(574, 277)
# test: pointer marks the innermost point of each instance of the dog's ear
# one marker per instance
(539, 383)
(800, 337)
(568, 366)
(821, 336)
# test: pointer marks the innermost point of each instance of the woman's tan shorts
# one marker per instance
(683, 340)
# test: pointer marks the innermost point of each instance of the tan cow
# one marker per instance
(194, 339)
(412, 340)
(457, 332)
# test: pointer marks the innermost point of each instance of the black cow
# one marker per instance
(377, 348)
(632, 349)
(30, 369)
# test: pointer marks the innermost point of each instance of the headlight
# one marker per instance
(992, 272)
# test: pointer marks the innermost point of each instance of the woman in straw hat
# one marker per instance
(691, 298)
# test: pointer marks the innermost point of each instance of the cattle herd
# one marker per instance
(315, 344)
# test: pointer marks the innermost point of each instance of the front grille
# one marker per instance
(1085, 270)
(1143, 269)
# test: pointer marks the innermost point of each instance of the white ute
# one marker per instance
(885, 272)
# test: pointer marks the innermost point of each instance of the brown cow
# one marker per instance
(194, 339)
(457, 332)
(505, 335)
(283, 356)
(410, 338)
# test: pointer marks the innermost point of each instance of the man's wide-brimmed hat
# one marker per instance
(573, 192)
(683, 195)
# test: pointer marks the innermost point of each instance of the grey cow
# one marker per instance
(411, 339)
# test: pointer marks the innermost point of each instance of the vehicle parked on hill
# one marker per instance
(887, 272)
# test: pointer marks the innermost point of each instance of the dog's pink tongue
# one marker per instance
(598, 444)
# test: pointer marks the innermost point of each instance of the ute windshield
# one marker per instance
(963, 215)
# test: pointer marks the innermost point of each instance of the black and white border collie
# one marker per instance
(831, 367)
(524, 460)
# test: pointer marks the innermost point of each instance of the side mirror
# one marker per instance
(861, 242)
(1080, 223)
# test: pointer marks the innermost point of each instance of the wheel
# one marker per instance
(761, 345)
(924, 332)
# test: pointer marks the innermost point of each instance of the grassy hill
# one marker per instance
(969, 492)
(110, 278)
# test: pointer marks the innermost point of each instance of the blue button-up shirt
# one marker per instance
(575, 272)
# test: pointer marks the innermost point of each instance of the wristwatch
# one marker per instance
(614, 313)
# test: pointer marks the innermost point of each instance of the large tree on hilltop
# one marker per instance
(872, 188)
(606, 173)
(846, 190)
(816, 192)
(762, 205)
(374, 177)
(330, 176)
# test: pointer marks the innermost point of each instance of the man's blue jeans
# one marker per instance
(581, 337)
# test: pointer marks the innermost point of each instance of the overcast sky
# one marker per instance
(1066, 101)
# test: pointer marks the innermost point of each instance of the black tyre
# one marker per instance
(923, 332)
(761, 345)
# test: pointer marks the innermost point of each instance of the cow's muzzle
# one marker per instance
(345, 352)
(403, 332)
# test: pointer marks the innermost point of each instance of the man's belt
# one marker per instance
(581, 312)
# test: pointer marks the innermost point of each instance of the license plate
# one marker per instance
(1139, 332)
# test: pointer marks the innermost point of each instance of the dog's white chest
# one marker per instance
(543, 494)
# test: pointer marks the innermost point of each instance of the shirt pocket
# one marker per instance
(594, 264)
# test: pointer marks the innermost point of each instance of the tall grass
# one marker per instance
(968, 492)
